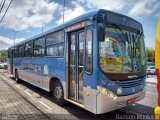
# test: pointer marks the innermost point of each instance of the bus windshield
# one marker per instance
(122, 51)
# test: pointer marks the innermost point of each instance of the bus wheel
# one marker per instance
(58, 94)
(17, 77)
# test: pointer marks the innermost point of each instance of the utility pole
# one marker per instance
(63, 9)
(14, 32)
(43, 26)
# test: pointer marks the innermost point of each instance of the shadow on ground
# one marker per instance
(129, 112)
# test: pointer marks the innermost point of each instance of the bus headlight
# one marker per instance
(102, 90)
(105, 91)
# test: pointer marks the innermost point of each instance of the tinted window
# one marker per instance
(55, 44)
(81, 37)
(55, 50)
(21, 50)
(60, 50)
(152, 67)
(16, 52)
(29, 49)
(39, 47)
(9, 52)
(122, 20)
(52, 50)
(54, 38)
(88, 61)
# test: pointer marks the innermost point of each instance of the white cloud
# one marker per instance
(134, 8)
(6, 42)
(24, 14)
(145, 7)
(71, 13)
(79, 7)
(108, 4)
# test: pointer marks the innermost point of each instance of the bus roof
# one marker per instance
(85, 16)
(80, 18)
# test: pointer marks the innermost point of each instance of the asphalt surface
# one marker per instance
(26, 101)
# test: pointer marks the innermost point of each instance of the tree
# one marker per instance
(3, 55)
(150, 54)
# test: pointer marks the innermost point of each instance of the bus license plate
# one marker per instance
(132, 100)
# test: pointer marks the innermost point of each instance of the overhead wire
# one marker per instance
(6, 11)
(2, 5)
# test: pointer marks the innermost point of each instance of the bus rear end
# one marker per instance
(121, 62)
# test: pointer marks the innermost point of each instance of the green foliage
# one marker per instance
(3, 55)
(150, 54)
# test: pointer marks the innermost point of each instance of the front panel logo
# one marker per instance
(133, 90)
(133, 76)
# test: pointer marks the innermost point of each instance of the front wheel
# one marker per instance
(17, 77)
(58, 93)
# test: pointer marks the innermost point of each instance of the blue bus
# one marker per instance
(96, 61)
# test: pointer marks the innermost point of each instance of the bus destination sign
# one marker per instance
(76, 26)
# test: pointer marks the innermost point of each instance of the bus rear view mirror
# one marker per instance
(101, 32)
(101, 27)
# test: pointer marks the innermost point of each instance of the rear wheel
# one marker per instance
(58, 93)
(17, 77)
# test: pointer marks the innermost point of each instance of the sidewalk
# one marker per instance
(13, 106)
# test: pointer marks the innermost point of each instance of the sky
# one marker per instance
(28, 17)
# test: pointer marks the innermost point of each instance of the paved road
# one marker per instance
(151, 76)
(28, 102)
(13, 105)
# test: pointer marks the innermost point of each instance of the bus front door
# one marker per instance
(76, 54)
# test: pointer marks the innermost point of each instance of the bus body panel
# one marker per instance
(106, 103)
(39, 71)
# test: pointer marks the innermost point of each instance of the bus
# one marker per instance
(96, 61)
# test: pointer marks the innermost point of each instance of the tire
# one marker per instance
(58, 93)
(17, 77)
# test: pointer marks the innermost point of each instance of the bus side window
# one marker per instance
(16, 49)
(55, 38)
(52, 50)
(21, 50)
(39, 47)
(55, 50)
(88, 52)
(55, 44)
(9, 52)
(29, 49)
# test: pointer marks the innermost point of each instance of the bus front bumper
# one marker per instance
(106, 103)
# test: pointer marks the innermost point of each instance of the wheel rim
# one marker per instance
(58, 92)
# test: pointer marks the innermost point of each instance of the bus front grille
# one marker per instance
(130, 83)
